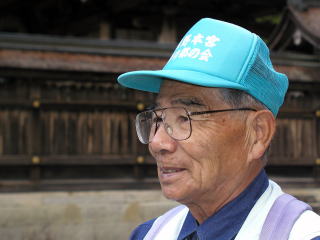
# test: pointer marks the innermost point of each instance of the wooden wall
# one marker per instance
(296, 142)
(55, 126)
(67, 125)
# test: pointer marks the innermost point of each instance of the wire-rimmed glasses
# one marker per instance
(176, 122)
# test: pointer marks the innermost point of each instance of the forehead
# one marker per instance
(173, 90)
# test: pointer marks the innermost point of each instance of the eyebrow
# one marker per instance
(182, 101)
(193, 101)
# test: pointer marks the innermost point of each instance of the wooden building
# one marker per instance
(66, 124)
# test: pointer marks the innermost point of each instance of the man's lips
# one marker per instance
(169, 175)
(168, 170)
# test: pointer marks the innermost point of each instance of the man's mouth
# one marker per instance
(169, 175)
(168, 170)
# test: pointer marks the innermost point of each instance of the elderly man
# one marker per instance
(209, 132)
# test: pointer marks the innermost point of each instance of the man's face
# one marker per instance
(213, 160)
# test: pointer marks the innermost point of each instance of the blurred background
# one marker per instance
(71, 166)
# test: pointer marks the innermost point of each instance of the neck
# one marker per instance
(204, 207)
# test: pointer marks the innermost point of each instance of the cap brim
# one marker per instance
(150, 81)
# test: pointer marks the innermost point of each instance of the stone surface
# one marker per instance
(91, 215)
(77, 215)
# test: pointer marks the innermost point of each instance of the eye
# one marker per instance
(157, 119)
(182, 118)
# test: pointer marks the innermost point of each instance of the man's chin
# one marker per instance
(172, 193)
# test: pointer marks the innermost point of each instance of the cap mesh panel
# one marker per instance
(263, 82)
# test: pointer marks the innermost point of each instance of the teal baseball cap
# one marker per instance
(214, 53)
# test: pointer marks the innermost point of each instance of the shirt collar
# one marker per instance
(226, 223)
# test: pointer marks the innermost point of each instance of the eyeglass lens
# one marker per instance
(176, 123)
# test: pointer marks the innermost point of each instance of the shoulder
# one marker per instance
(140, 232)
(175, 215)
(259, 213)
(306, 227)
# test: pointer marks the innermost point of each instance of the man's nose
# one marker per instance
(162, 142)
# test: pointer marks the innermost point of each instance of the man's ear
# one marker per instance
(262, 129)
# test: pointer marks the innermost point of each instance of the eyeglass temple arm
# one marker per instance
(222, 110)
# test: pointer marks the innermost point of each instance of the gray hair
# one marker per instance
(240, 99)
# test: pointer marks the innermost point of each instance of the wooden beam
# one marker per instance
(105, 159)
(76, 62)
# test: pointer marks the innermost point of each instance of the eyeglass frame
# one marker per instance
(189, 114)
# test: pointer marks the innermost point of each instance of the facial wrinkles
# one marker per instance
(205, 131)
(177, 93)
(208, 132)
(222, 125)
(205, 97)
(208, 161)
